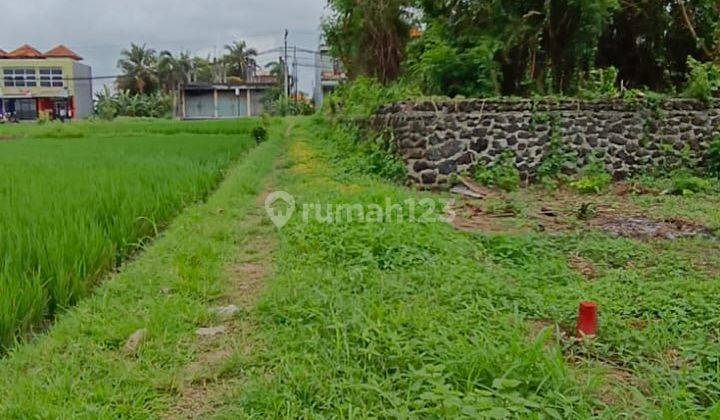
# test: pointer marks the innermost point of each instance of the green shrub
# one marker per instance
(503, 174)
(600, 84)
(359, 150)
(282, 107)
(124, 104)
(703, 80)
(712, 160)
(364, 96)
(594, 179)
(441, 68)
(685, 183)
(259, 133)
(555, 159)
(356, 153)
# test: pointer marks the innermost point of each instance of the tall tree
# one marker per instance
(138, 65)
(539, 45)
(277, 69)
(649, 41)
(201, 70)
(174, 71)
(369, 36)
(239, 59)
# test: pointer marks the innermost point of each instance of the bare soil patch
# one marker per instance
(538, 210)
(636, 226)
(584, 267)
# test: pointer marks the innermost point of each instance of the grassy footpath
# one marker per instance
(410, 319)
(78, 370)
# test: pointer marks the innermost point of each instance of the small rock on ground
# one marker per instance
(226, 311)
(210, 332)
(132, 345)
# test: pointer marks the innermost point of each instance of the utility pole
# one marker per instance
(295, 73)
(286, 67)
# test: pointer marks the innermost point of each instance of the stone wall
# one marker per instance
(440, 139)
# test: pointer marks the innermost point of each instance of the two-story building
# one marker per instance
(54, 84)
(329, 74)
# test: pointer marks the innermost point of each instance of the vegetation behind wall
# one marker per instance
(492, 48)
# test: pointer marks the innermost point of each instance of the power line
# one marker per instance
(280, 49)
(180, 43)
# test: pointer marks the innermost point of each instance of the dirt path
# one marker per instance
(204, 384)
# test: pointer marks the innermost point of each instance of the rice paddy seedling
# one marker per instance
(77, 200)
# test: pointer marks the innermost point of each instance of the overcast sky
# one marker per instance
(99, 29)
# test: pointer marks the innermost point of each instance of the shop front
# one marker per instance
(30, 109)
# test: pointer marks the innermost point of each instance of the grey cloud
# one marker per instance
(99, 29)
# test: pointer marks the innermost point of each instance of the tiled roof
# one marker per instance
(26, 51)
(62, 51)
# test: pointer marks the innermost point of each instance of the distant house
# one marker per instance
(229, 98)
(329, 74)
(54, 84)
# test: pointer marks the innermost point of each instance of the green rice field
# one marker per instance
(77, 200)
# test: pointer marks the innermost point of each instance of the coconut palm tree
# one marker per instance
(276, 68)
(138, 65)
(201, 70)
(172, 71)
(239, 59)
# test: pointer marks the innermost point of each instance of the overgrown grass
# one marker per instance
(419, 320)
(76, 200)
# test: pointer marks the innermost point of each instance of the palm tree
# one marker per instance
(138, 65)
(201, 70)
(276, 68)
(239, 59)
(172, 71)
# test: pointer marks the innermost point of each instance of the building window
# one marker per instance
(20, 77)
(51, 78)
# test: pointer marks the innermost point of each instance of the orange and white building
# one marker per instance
(54, 84)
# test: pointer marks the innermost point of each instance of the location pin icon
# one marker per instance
(278, 217)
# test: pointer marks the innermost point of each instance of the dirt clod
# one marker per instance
(132, 345)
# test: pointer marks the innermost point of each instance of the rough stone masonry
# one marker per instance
(438, 139)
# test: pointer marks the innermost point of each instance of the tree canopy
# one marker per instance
(514, 47)
(239, 59)
(369, 36)
(145, 71)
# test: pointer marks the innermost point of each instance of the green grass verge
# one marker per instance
(78, 371)
(406, 320)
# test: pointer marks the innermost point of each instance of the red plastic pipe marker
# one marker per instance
(587, 320)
